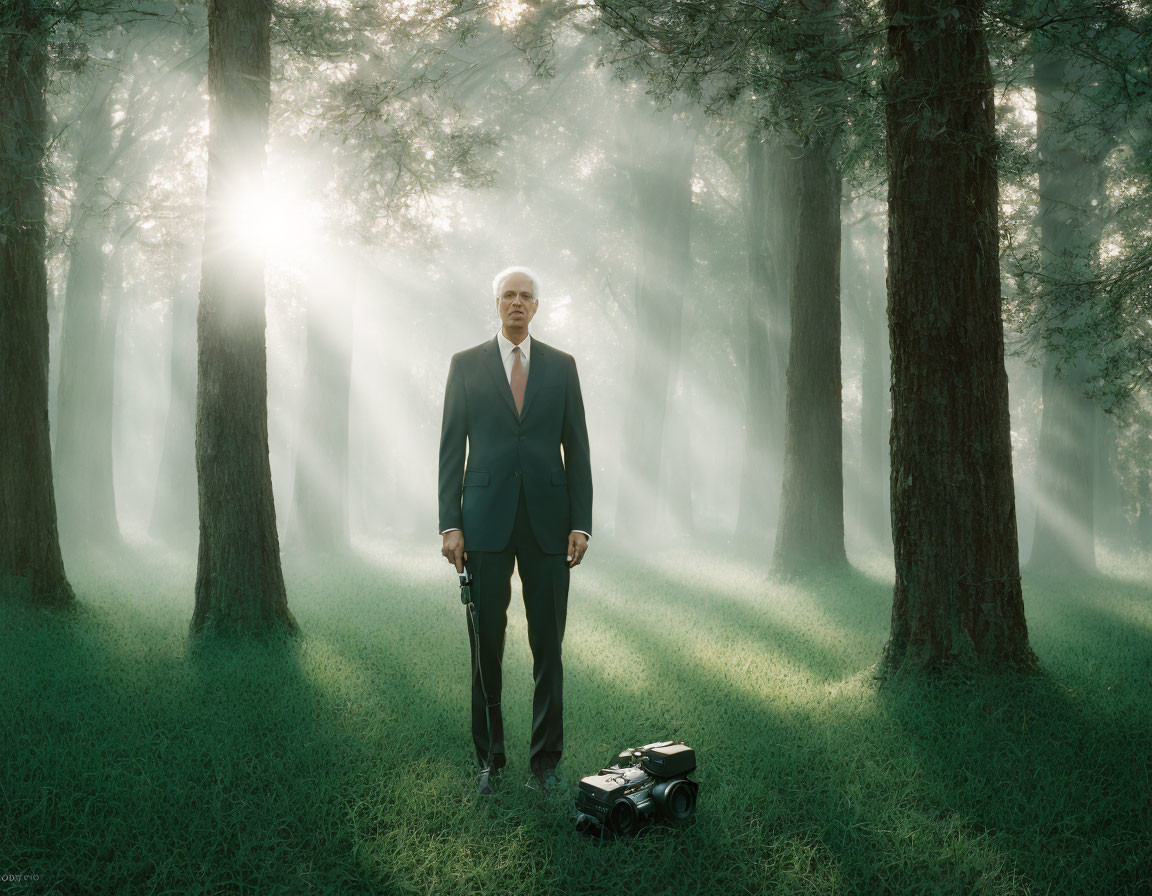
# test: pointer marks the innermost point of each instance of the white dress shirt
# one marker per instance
(507, 356)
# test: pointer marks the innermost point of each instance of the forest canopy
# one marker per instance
(706, 187)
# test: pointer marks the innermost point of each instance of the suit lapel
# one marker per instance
(538, 370)
(495, 367)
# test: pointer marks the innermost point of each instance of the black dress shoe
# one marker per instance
(486, 781)
(547, 782)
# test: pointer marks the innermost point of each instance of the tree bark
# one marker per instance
(957, 598)
(31, 566)
(768, 210)
(661, 183)
(239, 582)
(810, 534)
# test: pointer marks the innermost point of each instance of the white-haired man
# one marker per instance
(511, 405)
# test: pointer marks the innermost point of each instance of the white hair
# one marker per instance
(499, 279)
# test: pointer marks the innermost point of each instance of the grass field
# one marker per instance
(340, 763)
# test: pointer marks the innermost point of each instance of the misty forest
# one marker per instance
(860, 292)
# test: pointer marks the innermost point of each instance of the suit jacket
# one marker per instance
(507, 452)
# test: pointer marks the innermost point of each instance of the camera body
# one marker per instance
(646, 784)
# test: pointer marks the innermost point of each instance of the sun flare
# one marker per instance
(263, 220)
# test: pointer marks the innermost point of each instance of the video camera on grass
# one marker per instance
(648, 783)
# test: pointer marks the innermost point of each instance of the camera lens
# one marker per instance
(622, 816)
(676, 798)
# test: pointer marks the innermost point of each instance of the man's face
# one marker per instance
(517, 304)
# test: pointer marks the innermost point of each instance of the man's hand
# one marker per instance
(453, 549)
(577, 548)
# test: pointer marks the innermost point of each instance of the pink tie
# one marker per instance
(519, 380)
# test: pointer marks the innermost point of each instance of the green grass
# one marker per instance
(341, 763)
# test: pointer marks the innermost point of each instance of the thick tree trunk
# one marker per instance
(768, 209)
(320, 494)
(810, 534)
(1071, 226)
(661, 183)
(957, 598)
(174, 511)
(31, 566)
(239, 582)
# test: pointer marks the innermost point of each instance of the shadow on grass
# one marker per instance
(816, 621)
(1053, 782)
(812, 780)
(136, 763)
(341, 762)
(1092, 608)
(520, 842)
(996, 785)
(917, 787)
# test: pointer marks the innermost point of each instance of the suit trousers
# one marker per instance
(544, 578)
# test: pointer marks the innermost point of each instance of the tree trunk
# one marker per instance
(31, 566)
(239, 582)
(768, 211)
(174, 511)
(810, 534)
(320, 494)
(661, 183)
(957, 597)
(1071, 183)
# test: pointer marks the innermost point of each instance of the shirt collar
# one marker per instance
(506, 346)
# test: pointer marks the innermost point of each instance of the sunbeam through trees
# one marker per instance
(860, 296)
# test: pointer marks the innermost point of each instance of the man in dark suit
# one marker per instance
(515, 403)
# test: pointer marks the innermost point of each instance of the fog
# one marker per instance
(377, 272)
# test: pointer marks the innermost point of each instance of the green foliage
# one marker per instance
(810, 72)
(363, 89)
(1094, 309)
(341, 762)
